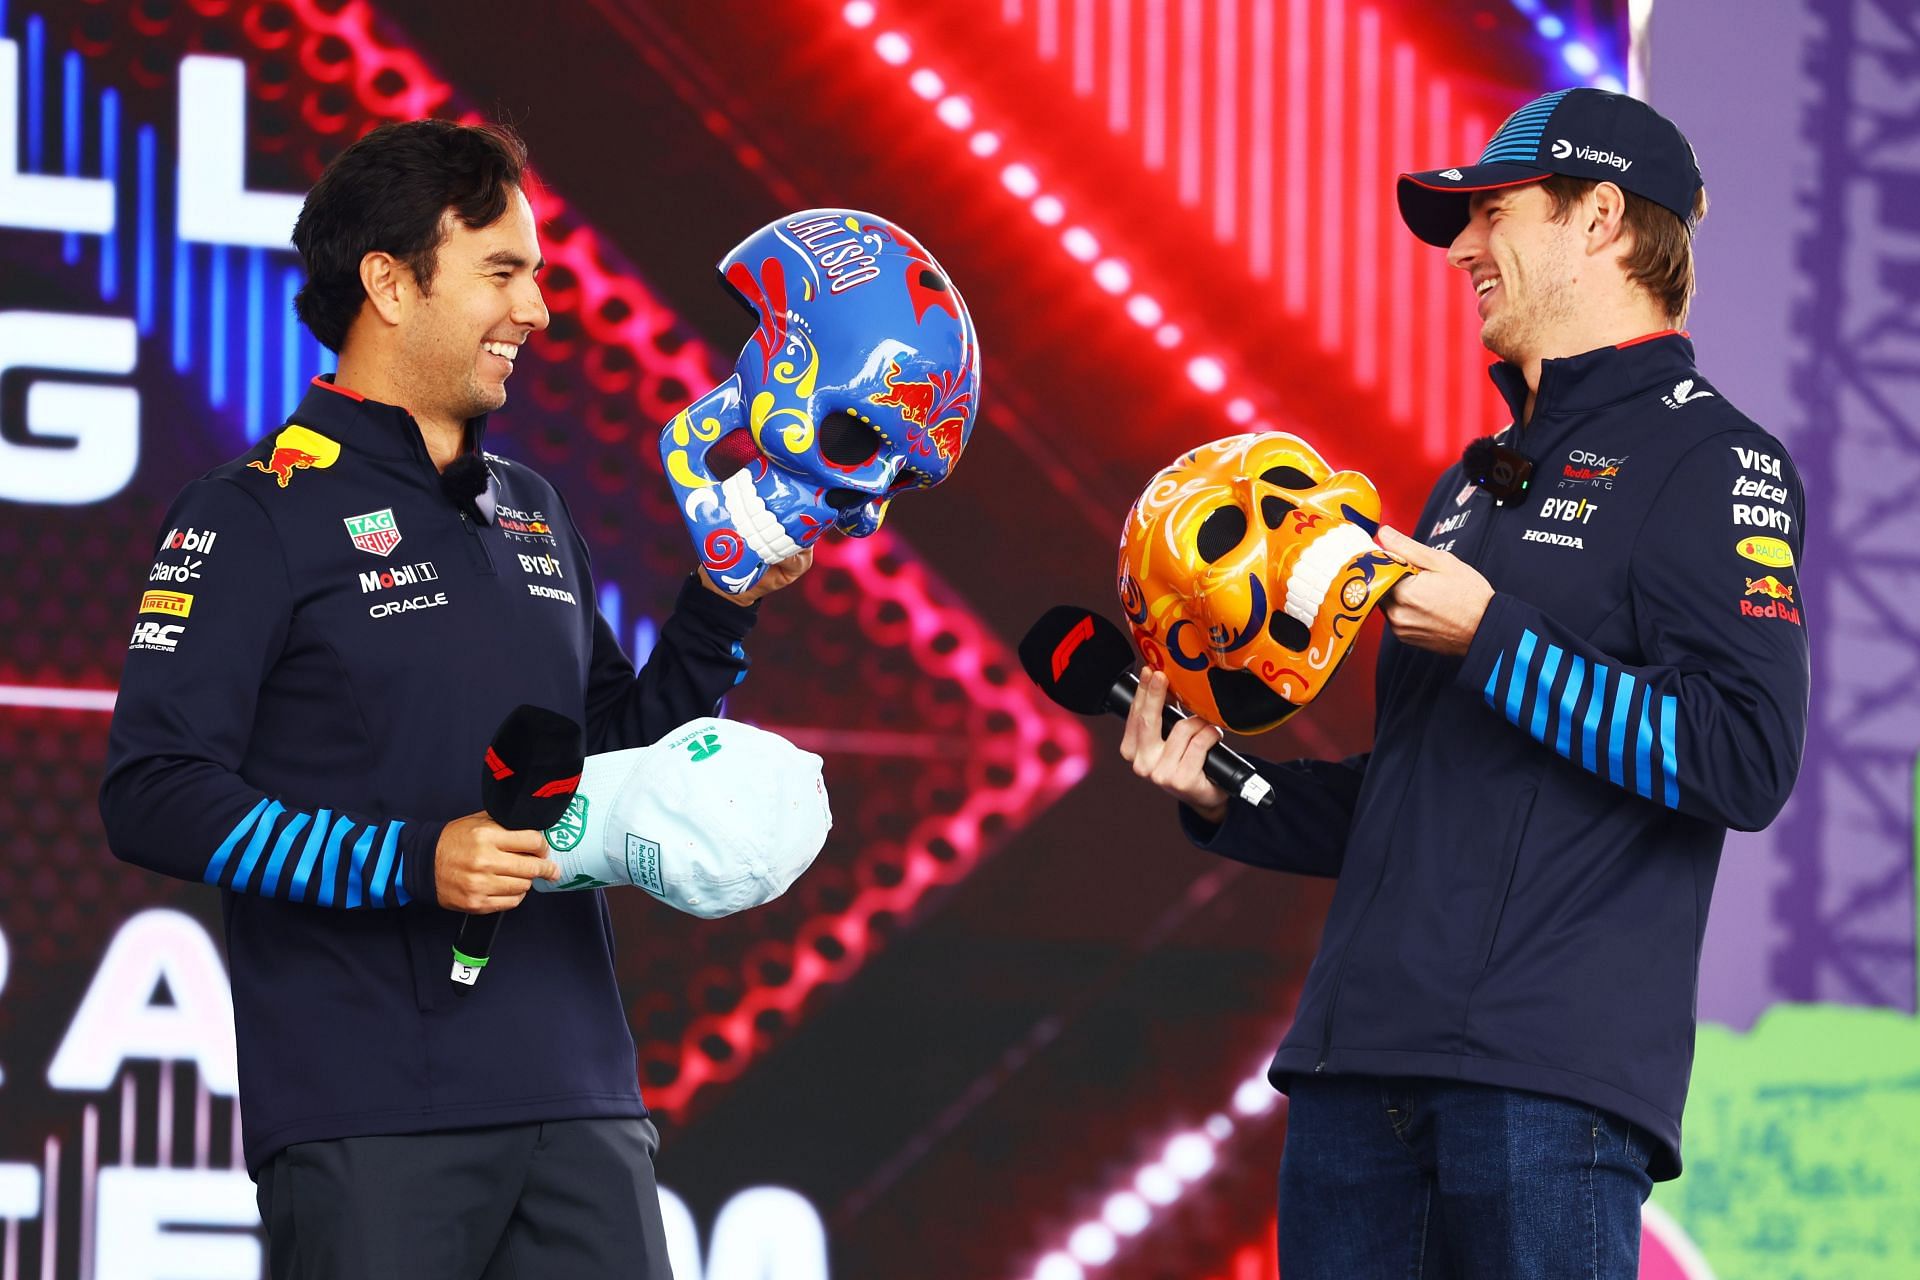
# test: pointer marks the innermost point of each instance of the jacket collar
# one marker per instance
(368, 426)
(1595, 379)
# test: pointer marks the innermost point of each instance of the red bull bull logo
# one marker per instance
(1779, 600)
(1771, 587)
(917, 403)
(297, 448)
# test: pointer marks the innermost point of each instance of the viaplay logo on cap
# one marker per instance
(376, 532)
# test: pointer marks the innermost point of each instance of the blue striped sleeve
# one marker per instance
(372, 874)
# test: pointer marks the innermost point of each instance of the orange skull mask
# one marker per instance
(1246, 570)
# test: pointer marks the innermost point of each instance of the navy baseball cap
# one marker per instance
(1583, 133)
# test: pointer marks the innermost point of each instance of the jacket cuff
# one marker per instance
(420, 842)
(1499, 630)
(1199, 830)
(702, 604)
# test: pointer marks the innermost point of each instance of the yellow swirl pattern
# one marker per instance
(681, 469)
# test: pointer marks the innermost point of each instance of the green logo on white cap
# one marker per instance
(572, 827)
(704, 748)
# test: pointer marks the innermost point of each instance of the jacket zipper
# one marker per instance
(1340, 970)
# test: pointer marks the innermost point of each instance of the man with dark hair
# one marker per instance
(1599, 668)
(302, 723)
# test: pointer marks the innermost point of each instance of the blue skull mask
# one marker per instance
(862, 380)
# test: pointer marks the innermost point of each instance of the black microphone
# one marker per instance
(527, 778)
(465, 483)
(1084, 663)
(1503, 472)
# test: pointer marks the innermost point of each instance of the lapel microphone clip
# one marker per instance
(1504, 473)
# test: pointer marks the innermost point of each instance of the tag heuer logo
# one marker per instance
(1452, 175)
(374, 532)
(572, 827)
(704, 748)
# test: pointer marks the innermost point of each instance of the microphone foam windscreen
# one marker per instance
(1075, 655)
(531, 768)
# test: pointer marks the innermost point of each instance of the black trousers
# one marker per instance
(573, 1198)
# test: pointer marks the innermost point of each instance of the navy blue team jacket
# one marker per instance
(325, 648)
(1524, 859)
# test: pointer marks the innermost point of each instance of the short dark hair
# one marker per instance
(1661, 260)
(389, 193)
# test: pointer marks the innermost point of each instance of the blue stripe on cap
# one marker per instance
(1569, 700)
(218, 863)
(1617, 736)
(1669, 763)
(1549, 668)
(1519, 137)
(1517, 682)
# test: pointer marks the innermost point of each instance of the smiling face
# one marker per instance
(459, 338)
(1525, 268)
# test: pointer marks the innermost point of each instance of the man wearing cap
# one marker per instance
(361, 599)
(1600, 668)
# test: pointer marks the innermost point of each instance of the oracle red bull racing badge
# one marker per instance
(297, 448)
(375, 532)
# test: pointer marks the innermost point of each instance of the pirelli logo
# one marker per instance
(175, 604)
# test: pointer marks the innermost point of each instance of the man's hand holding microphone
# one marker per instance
(480, 866)
(1176, 761)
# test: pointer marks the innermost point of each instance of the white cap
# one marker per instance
(714, 818)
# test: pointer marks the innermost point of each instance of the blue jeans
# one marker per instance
(1438, 1180)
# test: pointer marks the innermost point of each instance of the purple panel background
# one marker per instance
(1809, 267)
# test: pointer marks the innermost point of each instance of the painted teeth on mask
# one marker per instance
(1320, 562)
(765, 538)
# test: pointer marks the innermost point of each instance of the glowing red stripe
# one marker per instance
(1260, 147)
(1119, 65)
(1371, 193)
(1333, 185)
(1400, 360)
(1154, 136)
(1440, 345)
(1190, 72)
(1083, 47)
(1470, 421)
(1295, 158)
(1226, 104)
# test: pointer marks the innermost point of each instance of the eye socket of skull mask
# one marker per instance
(846, 441)
(1247, 648)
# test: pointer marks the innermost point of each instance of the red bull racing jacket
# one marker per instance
(1525, 858)
(324, 651)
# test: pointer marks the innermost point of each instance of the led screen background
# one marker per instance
(1009, 1025)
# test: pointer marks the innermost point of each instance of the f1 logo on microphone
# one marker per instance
(1063, 652)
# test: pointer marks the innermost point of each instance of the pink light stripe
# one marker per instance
(1260, 147)
(50, 1210)
(1119, 64)
(1154, 136)
(163, 1154)
(89, 1165)
(1295, 158)
(1470, 418)
(1400, 386)
(1441, 344)
(1048, 29)
(1371, 190)
(1083, 47)
(1226, 108)
(1334, 89)
(47, 696)
(1191, 69)
(1010, 11)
